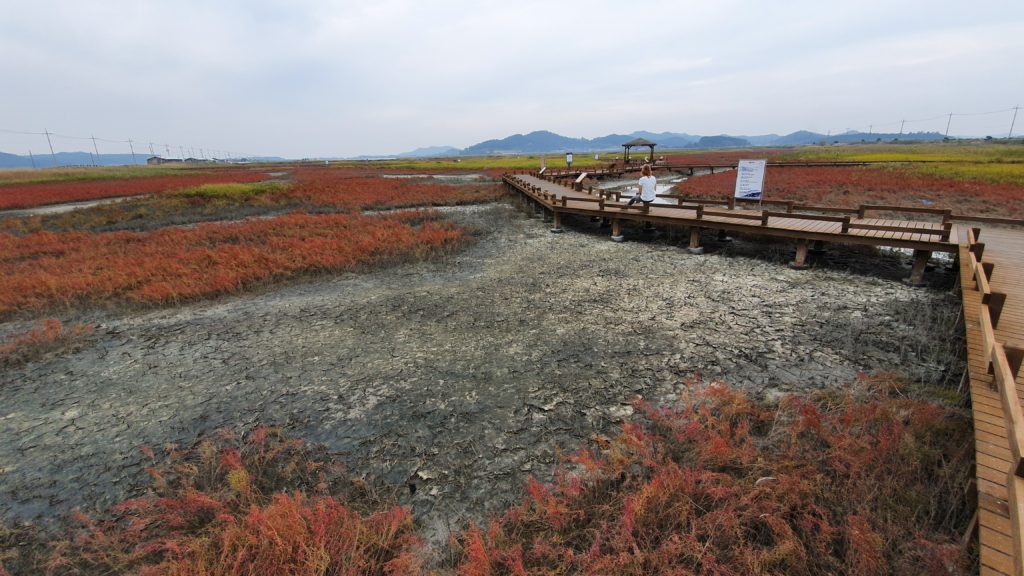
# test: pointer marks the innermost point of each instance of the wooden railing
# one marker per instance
(1003, 362)
(609, 199)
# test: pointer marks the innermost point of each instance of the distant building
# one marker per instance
(156, 160)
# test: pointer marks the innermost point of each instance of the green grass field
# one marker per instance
(998, 162)
(29, 176)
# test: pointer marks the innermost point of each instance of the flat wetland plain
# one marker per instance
(445, 376)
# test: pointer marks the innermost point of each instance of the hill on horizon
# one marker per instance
(536, 142)
(544, 141)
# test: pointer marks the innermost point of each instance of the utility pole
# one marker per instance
(902, 122)
(96, 149)
(1014, 121)
(948, 122)
(47, 132)
(132, 148)
(168, 148)
(32, 158)
(151, 153)
(871, 128)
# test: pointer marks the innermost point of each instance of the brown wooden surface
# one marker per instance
(1005, 250)
(896, 233)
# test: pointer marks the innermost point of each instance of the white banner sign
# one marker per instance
(750, 179)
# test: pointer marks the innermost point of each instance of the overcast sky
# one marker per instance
(318, 78)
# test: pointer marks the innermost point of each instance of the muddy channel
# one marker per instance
(455, 380)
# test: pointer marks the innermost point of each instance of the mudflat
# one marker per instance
(453, 380)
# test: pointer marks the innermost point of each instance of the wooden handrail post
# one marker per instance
(1014, 356)
(860, 211)
(995, 307)
(732, 199)
(1015, 491)
(764, 219)
(846, 225)
(987, 338)
(1011, 409)
(979, 249)
(700, 211)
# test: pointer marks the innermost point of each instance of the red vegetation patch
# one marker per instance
(46, 336)
(232, 507)
(852, 186)
(46, 269)
(719, 485)
(40, 194)
(860, 481)
(351, 190)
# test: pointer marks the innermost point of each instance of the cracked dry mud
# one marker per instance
(462, 376)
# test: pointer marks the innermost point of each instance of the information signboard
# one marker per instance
(750, 179)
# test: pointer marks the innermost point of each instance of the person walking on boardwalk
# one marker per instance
(648, 188)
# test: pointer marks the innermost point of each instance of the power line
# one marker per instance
(95, 139)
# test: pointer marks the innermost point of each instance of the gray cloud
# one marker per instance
(314, 78)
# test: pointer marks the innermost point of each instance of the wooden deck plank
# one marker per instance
(995, 559)
(994, 520)
(998, 540)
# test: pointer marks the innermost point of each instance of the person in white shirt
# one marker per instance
(648, 188)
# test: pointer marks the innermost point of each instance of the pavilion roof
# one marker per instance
(640, 142)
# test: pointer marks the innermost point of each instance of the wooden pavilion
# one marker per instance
(638, 142)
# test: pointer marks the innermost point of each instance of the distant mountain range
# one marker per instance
(543, 141)
(67, 159)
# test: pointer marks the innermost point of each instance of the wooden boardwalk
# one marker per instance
(997, 410)
(845, 226)
(992, 288)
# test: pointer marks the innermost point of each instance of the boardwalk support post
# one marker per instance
(557, 226)
(921, 258)
(723, 236)
(695, 247)
(617, 230)
(800, 259)
(818, 247)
